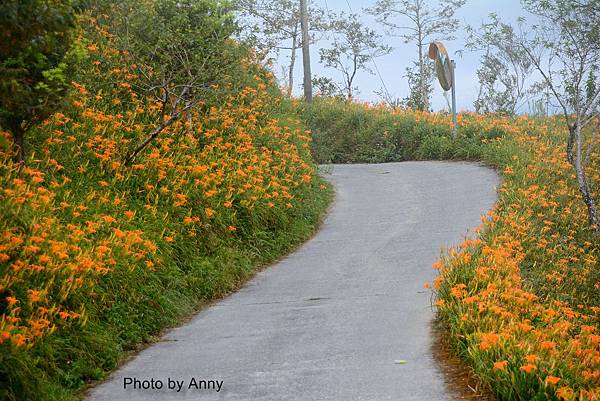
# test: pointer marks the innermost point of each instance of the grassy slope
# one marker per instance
(96, 258)
(520, 303)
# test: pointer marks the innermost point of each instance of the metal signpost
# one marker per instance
(444, 68)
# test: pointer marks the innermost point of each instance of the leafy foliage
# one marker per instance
(273, 26)
(349, 132)
(416, 21)
(181, 61)
(504, 70)
(420, 78)
(564, 49)
(354, 45)
(33, 70)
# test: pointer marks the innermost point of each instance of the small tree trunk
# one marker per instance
(291, 71)
(189, 117)
(571, 143)
(19, 143)
(351, 76)
(582, 179)
(588, 199)
(140, 146)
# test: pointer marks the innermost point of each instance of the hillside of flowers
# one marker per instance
(520, 300)
(149, 164)
(97, 256)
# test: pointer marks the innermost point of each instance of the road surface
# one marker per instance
(332, 321)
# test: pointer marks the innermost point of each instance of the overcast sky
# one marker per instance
(392, 67)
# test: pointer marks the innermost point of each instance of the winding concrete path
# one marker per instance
(330, 321)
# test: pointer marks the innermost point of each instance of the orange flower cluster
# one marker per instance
(77, 214)
(523, 298)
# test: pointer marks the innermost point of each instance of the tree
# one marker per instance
(274, 25)
(180, 59)
(416, 21)
(33, 69)
(353, 46)
(420, 83)
(326, 87)
(504, 69)
(564, 48)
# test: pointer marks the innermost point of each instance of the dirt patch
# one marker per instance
(460, 379)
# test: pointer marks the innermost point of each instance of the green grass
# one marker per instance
(130, 308)
(346, 132)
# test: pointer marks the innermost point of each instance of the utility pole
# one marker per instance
(305, 51)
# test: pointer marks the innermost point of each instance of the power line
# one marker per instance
(349, 7)
(381, 79)
(327, 8)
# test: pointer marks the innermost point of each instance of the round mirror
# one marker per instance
(443, 66)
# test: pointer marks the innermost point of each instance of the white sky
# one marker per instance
(392, 66)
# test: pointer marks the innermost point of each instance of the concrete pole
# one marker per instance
(453, 67)
(305, 51)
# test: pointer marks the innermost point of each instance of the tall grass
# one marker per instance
(348, 132)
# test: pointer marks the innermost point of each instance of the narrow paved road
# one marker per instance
(329, 321)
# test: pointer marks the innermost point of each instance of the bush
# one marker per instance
(35, 39)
